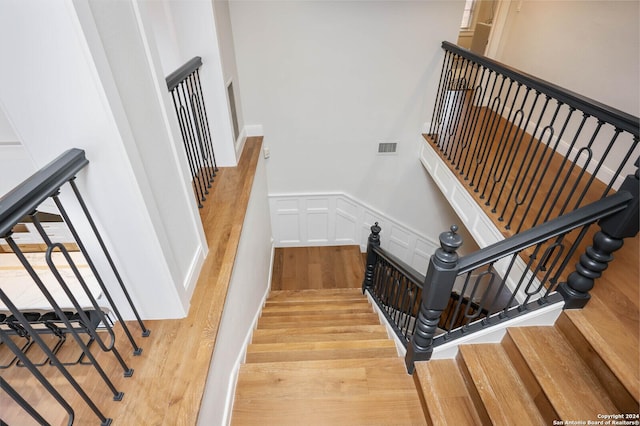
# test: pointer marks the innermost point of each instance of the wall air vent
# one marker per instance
(387, 147)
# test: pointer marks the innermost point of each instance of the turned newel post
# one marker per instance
(436, 292)
(374, 240)
(613, 230)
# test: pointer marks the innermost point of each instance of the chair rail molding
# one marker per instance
(337, 218)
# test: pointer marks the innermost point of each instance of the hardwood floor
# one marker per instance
(169, 378)
(299, 268)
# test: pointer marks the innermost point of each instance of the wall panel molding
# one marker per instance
(337, 218)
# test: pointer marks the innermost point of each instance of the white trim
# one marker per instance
(337, 218)
(242, 138)
(498, 28)
(545, 316)
(402, 351)
(254, 130)
(193, 273)
(231, 389)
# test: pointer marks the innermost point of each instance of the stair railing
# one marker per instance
(75, 311)
(472, 295)
(529, 150)
(186, 92)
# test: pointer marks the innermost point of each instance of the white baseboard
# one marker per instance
(402, 351)
(193, 272)
(329, 219)
(254, 130)
(242, 138)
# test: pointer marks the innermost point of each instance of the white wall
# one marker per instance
(248, 289)
(128, 63)
(182, 30)
(228, 55)
(59, 93)
(589, 47)
(15, 163)
(329, 80)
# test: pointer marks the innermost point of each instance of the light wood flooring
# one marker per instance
(319, 355)
(303, 268)
(169, 379)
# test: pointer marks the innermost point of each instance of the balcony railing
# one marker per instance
(186, 92)
(63, 295)
(459, 296)
(528, 150)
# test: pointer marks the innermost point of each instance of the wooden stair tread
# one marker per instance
(344, 392)
(304, 346)
(618, 349)
(401, 407)
(445, 396)
(337, 310)
(299, 351)
(287, 308)
(315, 379)
(319, 320)
(564, 378)
(270, 332)
(310, 295)
(311, 336)
(498, 386)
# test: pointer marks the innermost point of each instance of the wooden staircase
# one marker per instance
(584, 366)
(321, 357)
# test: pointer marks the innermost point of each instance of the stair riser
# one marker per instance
(473, 392)
(288, 356)
(284, 338)
(542, 402)
(309, 312)
(271, 323)
(613, 386)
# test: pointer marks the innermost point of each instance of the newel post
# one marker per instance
(613, 230)
(374, 240)
(436, 292)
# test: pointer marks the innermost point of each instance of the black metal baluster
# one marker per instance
(478, 102)
(508, 144)
(52, 357)
(203, 169)
(205, 124)
(546, 151)
(192, 139)
(117, 395)
(145, 331)
(470, 117)
(522, 175)
(487, 139)
(183, 130)
(437, 107)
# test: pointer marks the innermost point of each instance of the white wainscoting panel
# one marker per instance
(328, 219)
